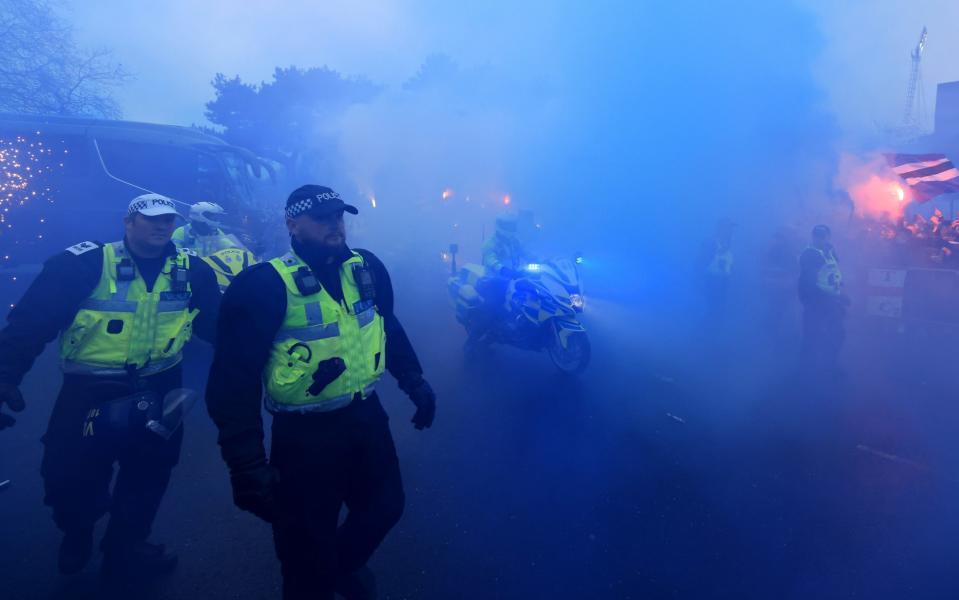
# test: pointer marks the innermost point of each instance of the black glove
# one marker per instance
(326, 372)
(254, 489)
(423, 397)
(11, 396)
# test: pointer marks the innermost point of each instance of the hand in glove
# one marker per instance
(326, 373)
(423, 397)
(11, 396)
(254, 489)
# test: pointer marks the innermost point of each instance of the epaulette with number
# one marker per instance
(82, 247)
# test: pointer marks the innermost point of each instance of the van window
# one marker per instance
(180, 172)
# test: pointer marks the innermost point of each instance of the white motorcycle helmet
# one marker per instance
(208, 213)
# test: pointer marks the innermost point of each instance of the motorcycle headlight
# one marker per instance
(534, 267)
(578, 302)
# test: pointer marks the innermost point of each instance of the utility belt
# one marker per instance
(143, 411)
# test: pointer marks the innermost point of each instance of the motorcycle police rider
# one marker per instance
(124, 311)
(203, 234)
(225, 254)
(504, 257)
(316, 329)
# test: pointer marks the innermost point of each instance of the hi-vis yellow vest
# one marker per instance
(316, 328)
(122, 327)
(722, 262)
(204, 245)
(829, 277)
(228, 263)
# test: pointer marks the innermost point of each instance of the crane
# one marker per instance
(912, 116)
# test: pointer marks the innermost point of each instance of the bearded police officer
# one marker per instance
(315, 329)
(124, 311)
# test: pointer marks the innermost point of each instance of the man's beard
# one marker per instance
(318, 252)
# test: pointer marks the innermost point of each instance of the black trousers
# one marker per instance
(823, 335)
(80, 454)
(326, 460)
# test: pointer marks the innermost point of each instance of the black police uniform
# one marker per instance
(324, 459)
(77, 468)
(823, 331)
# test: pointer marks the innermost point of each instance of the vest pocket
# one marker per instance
(290, 363)
(84, 325)
(172, 336)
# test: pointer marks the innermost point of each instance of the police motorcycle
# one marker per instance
(543, 308)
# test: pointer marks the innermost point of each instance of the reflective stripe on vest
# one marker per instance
(121, 327)
(317, 328)
(151, 368)
(228, 263)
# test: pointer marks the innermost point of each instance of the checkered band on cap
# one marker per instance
(141, 203)
(305, 204)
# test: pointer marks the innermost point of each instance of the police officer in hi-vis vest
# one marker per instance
(310, 333)
(123, 311)
(824, 305)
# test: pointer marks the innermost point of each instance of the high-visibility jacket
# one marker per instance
(721, 263)
(122, 327)
(503, 251)
(228, 263)
(186, 236)
(317, 328)
(829, 277)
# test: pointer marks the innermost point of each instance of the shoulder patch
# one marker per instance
(82, 247)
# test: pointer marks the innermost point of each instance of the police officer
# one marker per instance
(503, 253)
(225, 254)
(203, 233)
(824, 304)
(316, 329)
(716, 257)
(123, 310)
(504, 257)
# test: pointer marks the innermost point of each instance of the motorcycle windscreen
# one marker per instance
(177, 404)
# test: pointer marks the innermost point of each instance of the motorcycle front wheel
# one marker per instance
(572, 359)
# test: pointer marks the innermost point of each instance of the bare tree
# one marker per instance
(42, 71)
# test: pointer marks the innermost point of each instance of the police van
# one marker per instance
(65, 180)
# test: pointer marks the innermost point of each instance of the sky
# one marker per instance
(623, 122)
(176, 47)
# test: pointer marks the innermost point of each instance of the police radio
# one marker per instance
(365, 283)
(306, 281)
(125, 270)
(179, 278)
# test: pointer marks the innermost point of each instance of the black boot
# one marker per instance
(75, 550)
(358, 585)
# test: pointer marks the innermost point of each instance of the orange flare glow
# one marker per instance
(874, 189)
